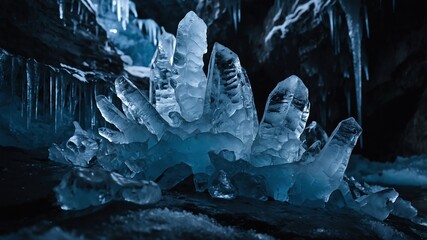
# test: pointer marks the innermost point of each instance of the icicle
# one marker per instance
(63, 88)
(79, 8)
(332, 24)
(366, 21)
(51, 79)
(132, 8)
(394, 5)
(352, 14)
(348, 100)
(92, 108)
(61, 9)
(30, 74)
(36, 89)
(45, 79)
(366, 70)
(56, 99)
(13, 71)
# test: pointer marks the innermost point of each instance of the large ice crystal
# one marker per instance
(207, 126)
(229, 100)
(82, 188)
(284, 120)
(188, 62)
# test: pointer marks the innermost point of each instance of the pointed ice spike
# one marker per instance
(36, 88)
(143, 111)
(162, 86)
(51, 92)
(352, 15)
(333, 158)
(30, 75)
(284, 119)
(229, 96)
(191, 45)
(61, 9)
(326, 172)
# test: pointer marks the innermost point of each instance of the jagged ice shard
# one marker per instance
(207, 126)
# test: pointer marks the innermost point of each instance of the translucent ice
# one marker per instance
(354, 24)
(229, 98)
(162, 84)
(325, 173)
(190, 124)
(82, 188)
(221, 187)
(174, 175)
(191, 45)
(139, 107)
(376, 201)
(284, 120)
(78, 150)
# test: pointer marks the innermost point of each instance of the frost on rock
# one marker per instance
(82, 188)
(284, 120)
(190, 124)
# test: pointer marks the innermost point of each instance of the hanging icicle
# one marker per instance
(352, 13)
(61, 9)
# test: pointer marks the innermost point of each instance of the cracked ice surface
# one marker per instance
(207, 126)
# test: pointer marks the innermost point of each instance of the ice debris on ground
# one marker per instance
(190, 123)
(84, 187)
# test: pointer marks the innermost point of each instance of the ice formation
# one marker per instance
(84, 187)
(206, 126)
(294, 11)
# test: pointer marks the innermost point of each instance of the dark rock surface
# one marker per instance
(29, 210)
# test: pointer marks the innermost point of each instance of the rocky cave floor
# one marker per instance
(29, 211)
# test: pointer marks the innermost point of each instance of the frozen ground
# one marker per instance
(29, 211)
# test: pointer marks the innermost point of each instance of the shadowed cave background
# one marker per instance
(394, 99)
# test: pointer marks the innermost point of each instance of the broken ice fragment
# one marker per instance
(188, 62)
(83, 187)
(378, 204)
(174, 175)
(284, 120)
(201, 181)
(221, 187)
(78, 150)
(251, 186)
(139, 107)
(404, 209)
(229, 97)
(376, 201)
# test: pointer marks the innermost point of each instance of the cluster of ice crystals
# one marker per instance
(207, 126)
